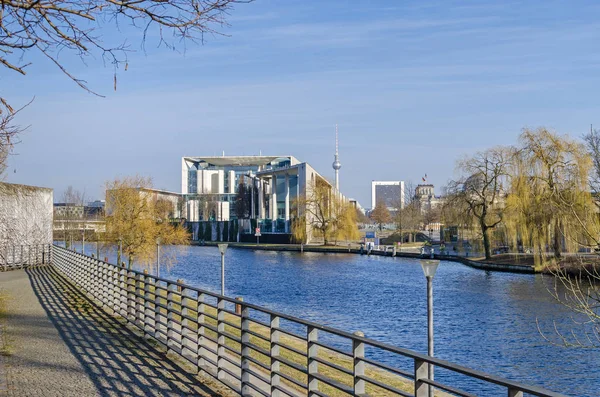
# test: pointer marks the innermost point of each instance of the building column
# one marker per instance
(261, 200)
(287, 202)
(274, 196)
(252, 186)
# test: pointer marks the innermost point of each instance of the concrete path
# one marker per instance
(55, 342)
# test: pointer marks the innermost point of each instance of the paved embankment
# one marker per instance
(58, 343)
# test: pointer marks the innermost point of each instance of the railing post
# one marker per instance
(514, 393)
(131, 301)
(189, 339)
(158, 327)
(421, 372)
(275, 335)
(358, 350)
(313, 365)
(220, 338)
(124, 293)
(245, 363)
(201, 331)
(149, 291)
(140, 306)
(173, 338)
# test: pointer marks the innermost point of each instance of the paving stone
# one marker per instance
(55, 342)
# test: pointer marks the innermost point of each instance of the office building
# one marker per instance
(389, 192)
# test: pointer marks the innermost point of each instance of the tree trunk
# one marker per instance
(556, 239)
(486, 240)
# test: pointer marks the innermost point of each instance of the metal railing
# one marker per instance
(257, 351)
(20, 256)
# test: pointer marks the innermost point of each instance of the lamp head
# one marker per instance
(222, 248)
(429, 267)
(158, 241)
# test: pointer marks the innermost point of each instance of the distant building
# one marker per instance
(390, 192)
(357, 206)
(261, 188)
(97, 204)
(425, 194)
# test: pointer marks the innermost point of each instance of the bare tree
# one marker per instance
(576, 287)
(55, 27)
(592, 143)
(480, 188)
(408, 215)
(69, 216)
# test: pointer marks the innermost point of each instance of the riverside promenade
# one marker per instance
(55, 342)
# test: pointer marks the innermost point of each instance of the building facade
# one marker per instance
(389, 192)
(425, 194)
(260, 188)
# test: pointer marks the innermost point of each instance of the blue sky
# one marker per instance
(413, 86)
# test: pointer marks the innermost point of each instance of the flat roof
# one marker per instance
(237, 160)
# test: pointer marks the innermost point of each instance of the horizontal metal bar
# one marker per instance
(258, 349)
(394, 370)
(230, 373)
(261, 377)
(290, 333)
(258, 389)
(452, 390)
(334, 383)
(258, 322)
(256, 334)
(258, 362)
(333, 349)
(334, 366)
(291, 379)
(292, 349)
(384, 386)
(231, 349)
(288, 392)
(298, 367)
(230, 360)
(238, 327)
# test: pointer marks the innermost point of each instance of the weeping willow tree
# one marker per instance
(550, 206)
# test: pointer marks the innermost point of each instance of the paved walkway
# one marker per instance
(56, 342)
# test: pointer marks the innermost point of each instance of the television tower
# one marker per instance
(336, 162)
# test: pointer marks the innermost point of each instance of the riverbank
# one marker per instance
(471, 262)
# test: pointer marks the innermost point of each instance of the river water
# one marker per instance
(483, 320)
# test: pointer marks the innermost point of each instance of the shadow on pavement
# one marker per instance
(116, 360)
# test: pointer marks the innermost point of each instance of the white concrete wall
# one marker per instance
(26, 214)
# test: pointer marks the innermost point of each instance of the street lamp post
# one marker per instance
(429, 269)
(222, 249)
(158, 257)
(120, 253)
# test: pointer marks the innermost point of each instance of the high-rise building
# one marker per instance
(389, 192)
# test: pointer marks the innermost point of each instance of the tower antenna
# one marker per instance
(336, 161)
